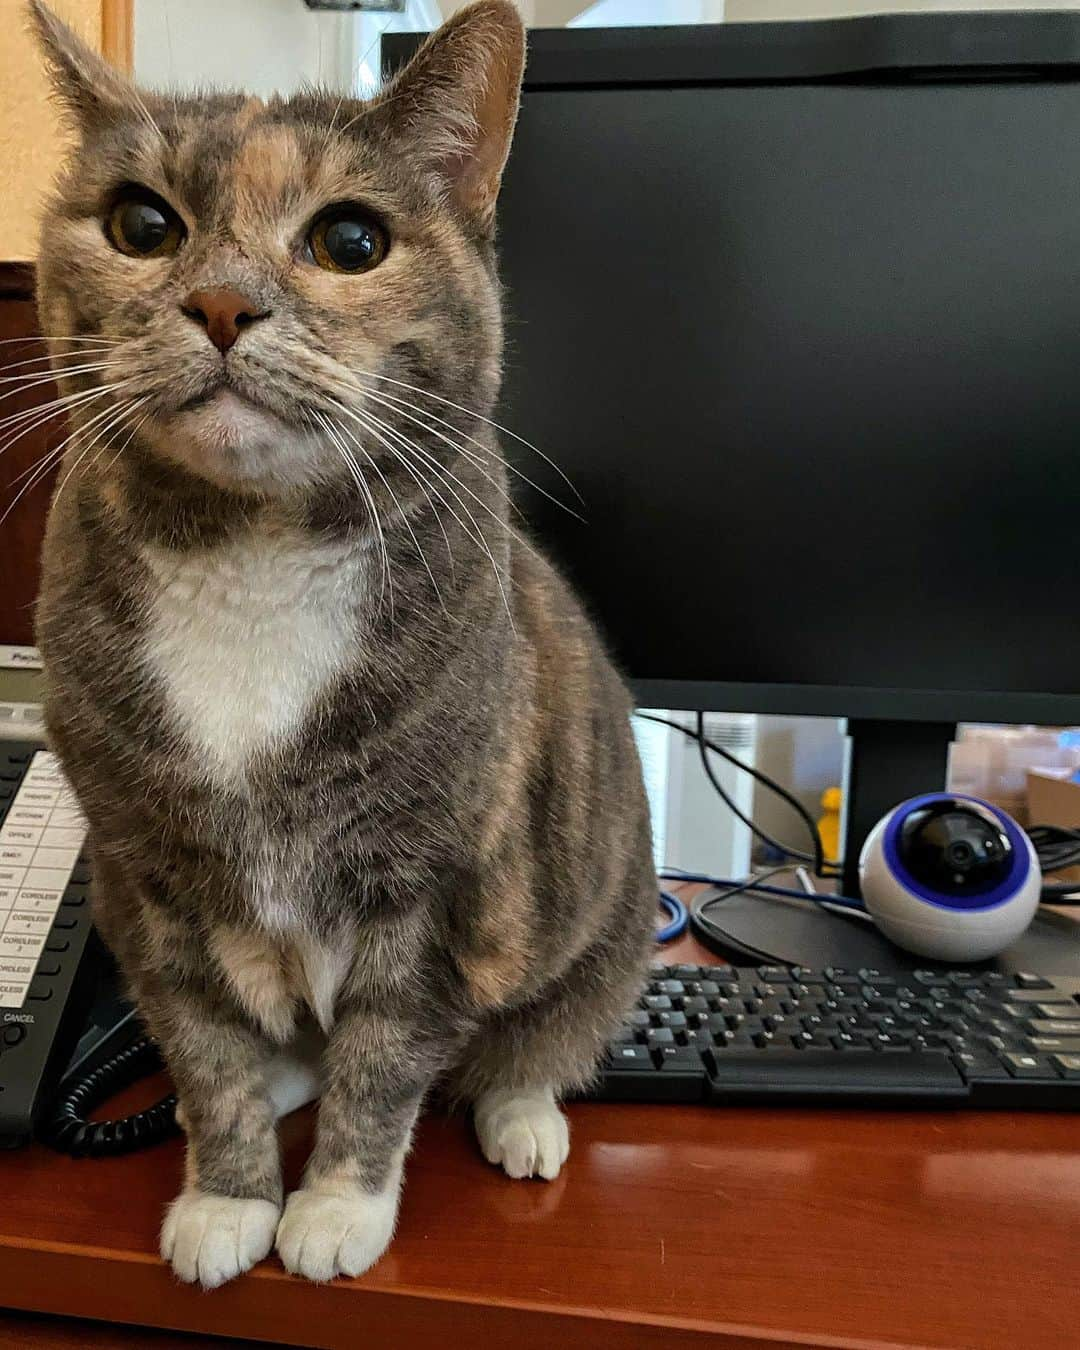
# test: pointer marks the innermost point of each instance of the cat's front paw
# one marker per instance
(523, 1131)
(214, 1238)
(321, 1236)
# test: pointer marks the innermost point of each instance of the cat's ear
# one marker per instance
(85, 83)
(453, 107)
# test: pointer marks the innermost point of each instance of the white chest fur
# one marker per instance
(245, 636)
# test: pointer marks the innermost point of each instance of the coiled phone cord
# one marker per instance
(67, 1128)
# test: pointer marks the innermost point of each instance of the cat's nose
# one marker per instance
(224, 314)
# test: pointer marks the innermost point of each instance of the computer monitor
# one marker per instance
(797, 308)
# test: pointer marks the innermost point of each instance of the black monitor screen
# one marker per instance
(811, 353)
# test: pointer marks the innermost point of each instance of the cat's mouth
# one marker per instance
(217, 390)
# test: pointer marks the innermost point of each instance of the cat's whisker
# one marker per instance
(33, 419)
(497, 426)
(354, 468)
(446, 474)
(459, 449)
(442, 468)
(474, 534)
(41, 468)
(99, 441)
(403, 403)
(35, 379)
(56, 452)
(401, 510)
(418, 479)
(47, 367)
(39, 338)
(130, 437)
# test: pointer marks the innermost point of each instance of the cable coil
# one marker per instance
(68, 1129)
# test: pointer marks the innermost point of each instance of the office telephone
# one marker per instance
(67, 1036)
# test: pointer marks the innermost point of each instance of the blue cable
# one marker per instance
(678, 920)
(760, 888)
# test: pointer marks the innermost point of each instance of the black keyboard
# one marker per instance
(787, 1034)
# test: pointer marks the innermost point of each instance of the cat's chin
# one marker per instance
(236, 445)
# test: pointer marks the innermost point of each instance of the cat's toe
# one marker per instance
(523, 1132)
(214, 1238)
(321, 1236)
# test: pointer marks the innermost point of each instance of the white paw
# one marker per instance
(524, 1132)
(214, 1238)
(321, 1236)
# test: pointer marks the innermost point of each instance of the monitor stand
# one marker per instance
(887, 763)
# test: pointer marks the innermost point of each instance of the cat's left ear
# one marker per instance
(452, 109)
(86, 84)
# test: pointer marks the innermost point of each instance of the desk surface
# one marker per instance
(748, 1228)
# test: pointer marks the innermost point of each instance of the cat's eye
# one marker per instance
(347, 239)
(141, 225)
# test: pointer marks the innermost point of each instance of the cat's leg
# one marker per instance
(342, 1218)
(223, 1221)
(525, 1060)
(522, 1130)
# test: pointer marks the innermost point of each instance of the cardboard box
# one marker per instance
(1054, 799)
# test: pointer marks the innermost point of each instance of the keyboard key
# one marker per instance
(658, 1003)
(628, 1057)
(1025, 980)
(686, 972)
(675, 1020)
(1065, 1045)
(674, 1057)
(657, 1036)
(773, 973)
(980, 1068)
(1054, 1027)
(1067, 1065)
(871, 975)
(1028, 1066)
(672, 988)
(1058, 1012)
(721, 974)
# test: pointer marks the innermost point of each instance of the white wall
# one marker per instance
(803, 754)
(263, 46)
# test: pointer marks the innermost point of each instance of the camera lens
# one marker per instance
(955, 847)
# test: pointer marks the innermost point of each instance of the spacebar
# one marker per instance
(824, 1075)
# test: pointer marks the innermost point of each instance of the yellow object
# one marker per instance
(829, 825)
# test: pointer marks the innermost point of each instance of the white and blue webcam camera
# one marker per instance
(950, 877)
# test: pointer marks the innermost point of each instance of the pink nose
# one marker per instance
(223, 313)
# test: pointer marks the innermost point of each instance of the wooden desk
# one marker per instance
(670, 1227)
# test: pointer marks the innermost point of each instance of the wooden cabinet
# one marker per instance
(25, 444)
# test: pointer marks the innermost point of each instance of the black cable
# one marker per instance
(818, 856)
(1057, 847)
(756, 831)
(68, 1129)
(718, 939)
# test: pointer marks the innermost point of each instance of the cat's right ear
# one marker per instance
(87, 86)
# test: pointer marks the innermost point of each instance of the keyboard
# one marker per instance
(781, 1035)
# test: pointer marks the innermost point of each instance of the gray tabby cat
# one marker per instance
(365, 810)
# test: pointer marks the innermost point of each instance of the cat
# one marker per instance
(365, 810)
